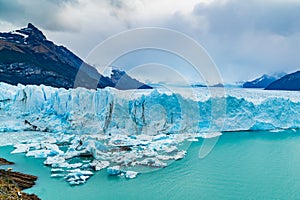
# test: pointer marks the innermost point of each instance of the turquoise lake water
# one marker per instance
(243, 165)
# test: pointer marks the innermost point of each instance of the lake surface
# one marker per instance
(242, 165)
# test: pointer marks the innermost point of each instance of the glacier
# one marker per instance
(134, 131)
(42, 108)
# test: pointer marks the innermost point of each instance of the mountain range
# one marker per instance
(287, 82)
(27, 57)
(263, 81)
(279, 81)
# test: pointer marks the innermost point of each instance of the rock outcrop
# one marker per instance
(11, 184)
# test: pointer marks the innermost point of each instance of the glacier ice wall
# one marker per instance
(152, 112)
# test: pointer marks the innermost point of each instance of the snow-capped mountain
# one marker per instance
(27, 57)
(287, 82)
(263, 81)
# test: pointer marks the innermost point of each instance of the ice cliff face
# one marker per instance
(151, 112)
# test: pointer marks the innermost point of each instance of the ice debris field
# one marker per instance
(80, 131)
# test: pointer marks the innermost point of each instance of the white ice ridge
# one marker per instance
(109, 111)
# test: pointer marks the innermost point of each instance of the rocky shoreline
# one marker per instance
(12, 183)
(5, 162)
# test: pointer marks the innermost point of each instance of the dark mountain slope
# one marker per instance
(288, 82)
(263, 81)
(27, 57)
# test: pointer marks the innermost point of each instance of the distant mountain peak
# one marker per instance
(30, 25)
(263, 81)
(30, 34)
(34, 31)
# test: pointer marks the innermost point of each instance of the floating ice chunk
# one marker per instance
(76, 182)
(57, 175)
(171, 149)
(179, 155)
(39, 153)
(192, 140)
(82, 172)
(115, 170)
(277, 130)
(74, 165)
(77, 176)
(71, 178)
(57, 170)
(44, 153)
(84, 178)
(54, 160)
(153, 162)
(60, 165)
(98, 164)
(130, 174)
(21, 148)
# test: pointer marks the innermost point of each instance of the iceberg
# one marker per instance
(55, 160)
(98, 165)
(130, 174)
(20, 148)
(57, 170)
(77, 176)
(115, 170)
(57, 175)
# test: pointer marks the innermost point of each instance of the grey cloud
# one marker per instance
(236, 16)
(251, 37)
(44, 13)
(244, 38)
(116, 3)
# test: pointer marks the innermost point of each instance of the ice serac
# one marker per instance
(152, 112)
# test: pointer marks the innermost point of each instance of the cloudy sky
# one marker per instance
(244, 38)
